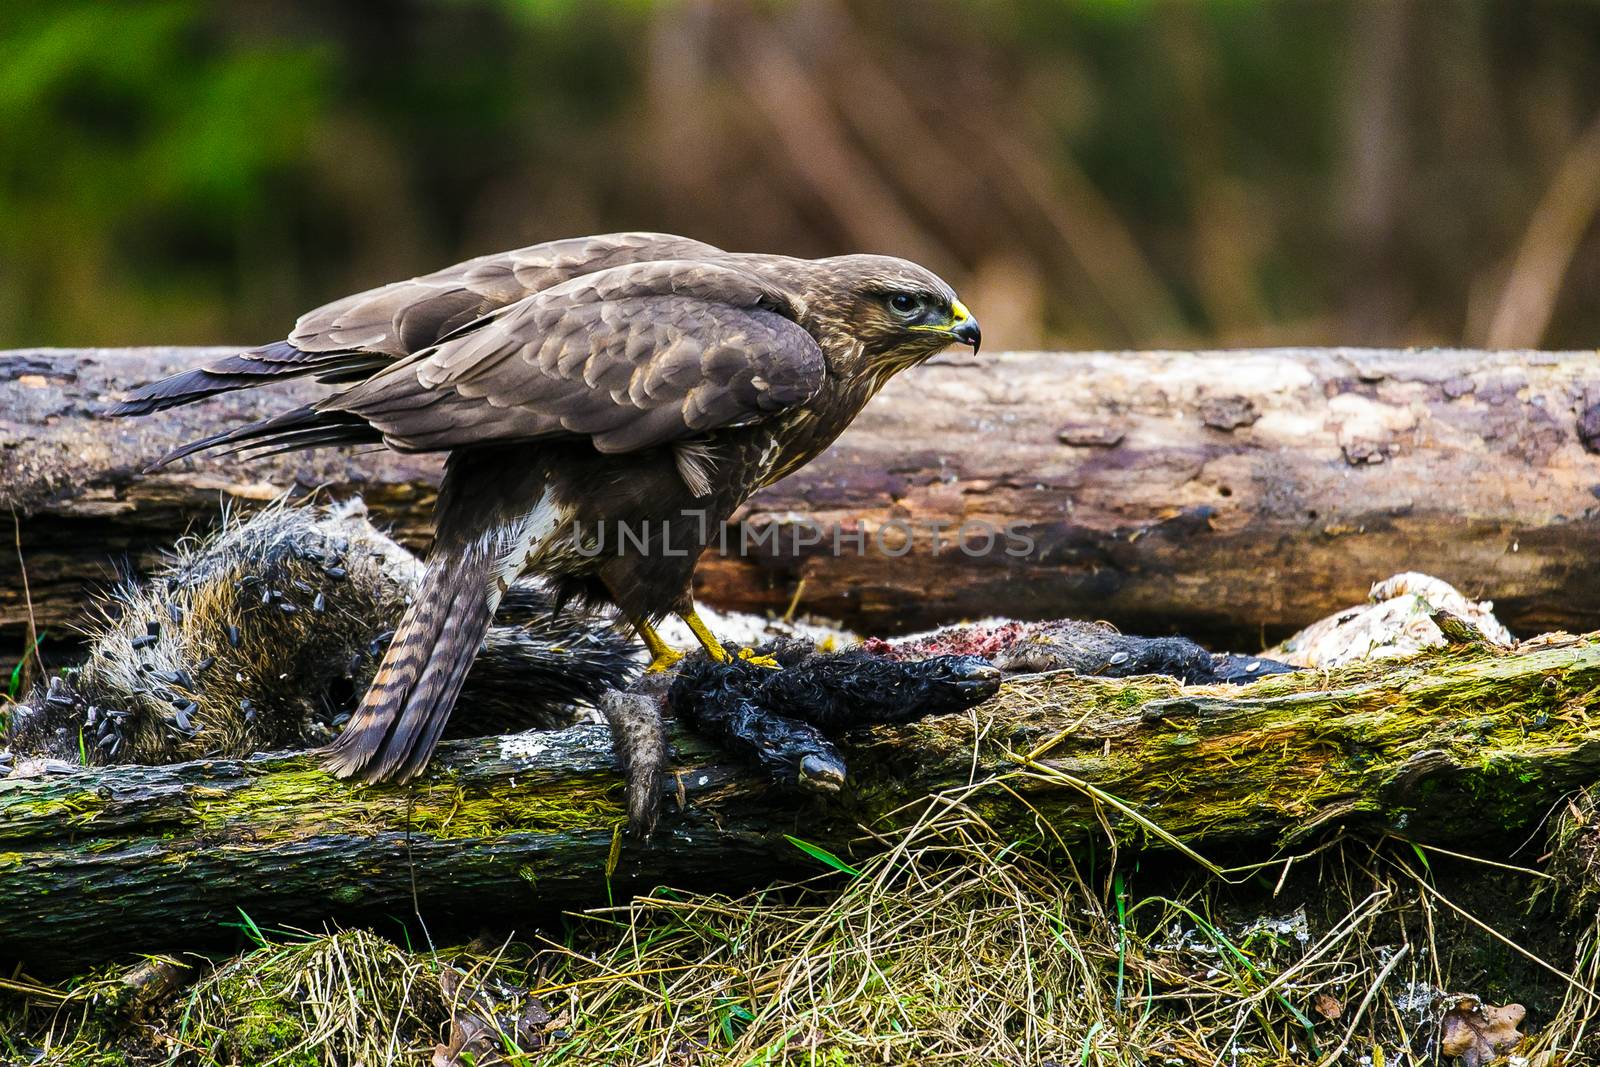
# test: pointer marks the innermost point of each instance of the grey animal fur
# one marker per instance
(262, 635)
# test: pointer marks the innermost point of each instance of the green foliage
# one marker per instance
(14, 684)
(1096, 172)
(822, 855)
(137, 141)
(732, 1020)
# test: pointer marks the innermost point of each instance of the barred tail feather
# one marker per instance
(393, 733)
(489, 516)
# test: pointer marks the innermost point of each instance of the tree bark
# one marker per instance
(1466, 746)
(1231, 496)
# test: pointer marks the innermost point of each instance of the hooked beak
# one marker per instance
(963, 327)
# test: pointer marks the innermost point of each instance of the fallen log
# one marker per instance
(1465, 746)
(1224, 495)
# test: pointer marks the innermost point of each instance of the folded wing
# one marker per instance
(630, 358)
(351, 338)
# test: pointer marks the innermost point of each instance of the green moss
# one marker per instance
(1131, 696)
(85, 1050)
(296, 802)
(1500, 790)
(450, 812)
(264, 1028)
(349, 997)
(1335, 742)
(77, 808)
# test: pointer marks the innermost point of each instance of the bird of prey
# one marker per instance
(606, 404)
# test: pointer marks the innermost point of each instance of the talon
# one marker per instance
(703, 634)
(665, 659)
(663, 656)
(714, 649)
(750, 657)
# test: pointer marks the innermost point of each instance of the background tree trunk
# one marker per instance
(1466, 746)
(1231, 496)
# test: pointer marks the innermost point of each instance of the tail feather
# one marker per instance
(484, 531)
(395, 730)
(302, 427)
(277, 361)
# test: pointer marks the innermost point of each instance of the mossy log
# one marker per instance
(1221, 495)
(1464, 746)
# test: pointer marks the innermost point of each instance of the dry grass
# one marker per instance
(347, 998)
(958, 947)
(952, 946)
(950, 949)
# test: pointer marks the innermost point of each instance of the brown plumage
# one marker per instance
(606, 403)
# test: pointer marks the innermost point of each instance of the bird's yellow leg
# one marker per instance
(713, 647)
(662, 655)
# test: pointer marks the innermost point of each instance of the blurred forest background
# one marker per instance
(1091, 174)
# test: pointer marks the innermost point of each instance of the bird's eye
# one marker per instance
(903, 303)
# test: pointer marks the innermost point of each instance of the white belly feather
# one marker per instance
(517, 545)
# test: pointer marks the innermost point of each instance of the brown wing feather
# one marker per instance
(245, 370)
(405, 317)
(631, 357)
(350, 338)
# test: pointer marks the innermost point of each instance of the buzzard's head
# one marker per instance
(890, 313)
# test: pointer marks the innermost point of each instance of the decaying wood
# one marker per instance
(1467, 746)
(1222, 495)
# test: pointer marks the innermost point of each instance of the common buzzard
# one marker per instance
(606, 402)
